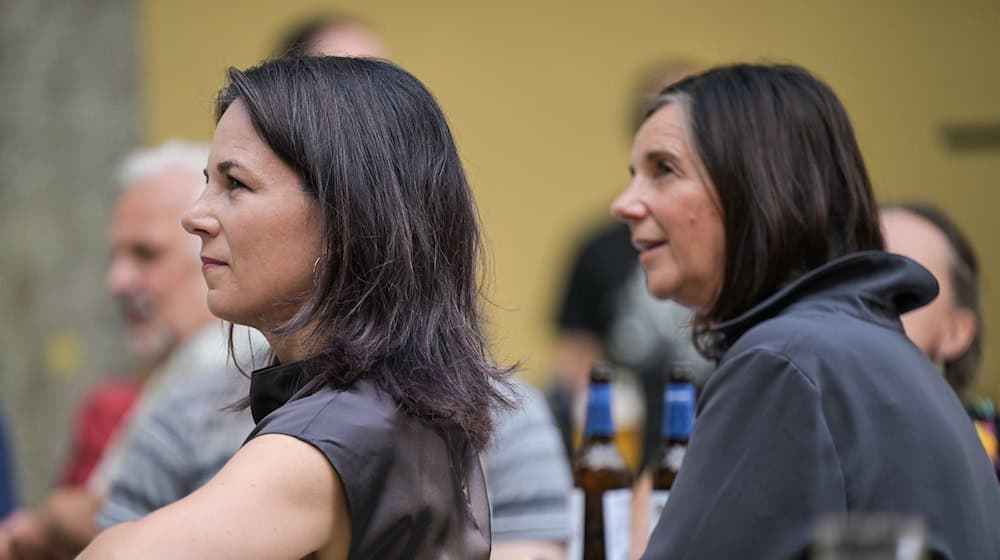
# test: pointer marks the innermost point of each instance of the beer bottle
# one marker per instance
(678, 418)
(601, 477)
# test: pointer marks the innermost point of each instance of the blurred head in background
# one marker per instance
(947, 329)
(155, 270)
(653, 79)
(332, 36)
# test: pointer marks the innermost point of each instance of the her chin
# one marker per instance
(658, 288)
(220, 310)
(664, 293)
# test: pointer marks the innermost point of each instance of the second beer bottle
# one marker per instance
(678, 418)
(601, 476)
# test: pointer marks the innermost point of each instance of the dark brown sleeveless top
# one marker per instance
(409, 494)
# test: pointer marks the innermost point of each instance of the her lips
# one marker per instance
(207, 263)
(646, 244)
(648, 248)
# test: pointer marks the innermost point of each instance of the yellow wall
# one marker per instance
(537, 91)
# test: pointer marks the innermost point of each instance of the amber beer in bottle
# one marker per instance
(601, 475)
(678, 419)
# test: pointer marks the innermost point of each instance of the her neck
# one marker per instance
(289, 348)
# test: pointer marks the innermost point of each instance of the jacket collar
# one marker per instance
(875, 284)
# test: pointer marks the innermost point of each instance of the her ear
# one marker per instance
(959, 333)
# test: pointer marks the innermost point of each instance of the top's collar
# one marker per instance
(892, 282)
(273, 386)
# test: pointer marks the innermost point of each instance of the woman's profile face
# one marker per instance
(260, 231)
(671, 209)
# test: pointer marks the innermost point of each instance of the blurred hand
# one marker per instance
(25, 538)
(69, 515)
(6, 552)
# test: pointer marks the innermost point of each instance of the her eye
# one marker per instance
(664, 168)
(235, 183)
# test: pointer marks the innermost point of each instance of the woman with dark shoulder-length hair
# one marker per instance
(337, 220)
(750, 203)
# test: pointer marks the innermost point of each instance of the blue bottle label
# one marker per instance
(678, 417)
(599, 411)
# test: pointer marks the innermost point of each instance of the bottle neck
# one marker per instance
(678, 411)
(599, 423)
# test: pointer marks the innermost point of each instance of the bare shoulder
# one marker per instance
(281, 467)
(278, 497)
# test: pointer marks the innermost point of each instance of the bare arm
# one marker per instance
(639, 535)
(277, 498)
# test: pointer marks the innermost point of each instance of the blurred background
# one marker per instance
(539, 96)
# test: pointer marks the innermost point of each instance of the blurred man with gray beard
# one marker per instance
(155, 278)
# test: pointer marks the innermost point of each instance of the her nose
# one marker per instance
(198, 220)
(627, 207)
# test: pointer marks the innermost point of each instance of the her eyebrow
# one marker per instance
(657, 155)
(225, 166)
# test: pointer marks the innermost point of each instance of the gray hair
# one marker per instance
(143, 164)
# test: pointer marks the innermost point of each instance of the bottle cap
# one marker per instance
(602, 372)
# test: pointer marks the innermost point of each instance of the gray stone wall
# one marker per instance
(67, 114)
